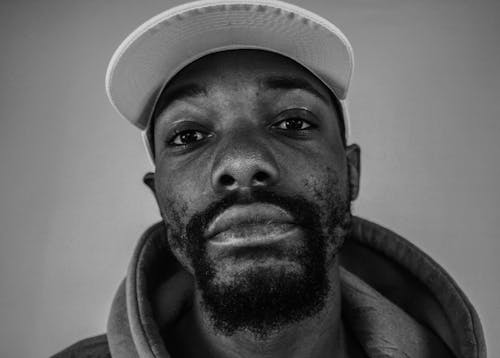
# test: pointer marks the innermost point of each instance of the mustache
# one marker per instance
(302, 210)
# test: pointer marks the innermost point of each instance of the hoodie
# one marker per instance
(396, 301)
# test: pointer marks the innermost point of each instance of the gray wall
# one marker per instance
(424, 106)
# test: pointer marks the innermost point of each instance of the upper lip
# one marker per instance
(258, 213)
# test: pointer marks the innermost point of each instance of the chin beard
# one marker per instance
(263, 300)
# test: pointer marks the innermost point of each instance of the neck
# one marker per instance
(316, 336)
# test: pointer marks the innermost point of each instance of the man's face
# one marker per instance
(252, 182)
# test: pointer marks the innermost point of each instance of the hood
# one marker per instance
(396, 300)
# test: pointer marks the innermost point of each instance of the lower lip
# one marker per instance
(256, 235)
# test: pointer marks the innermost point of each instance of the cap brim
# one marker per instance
(150, 56)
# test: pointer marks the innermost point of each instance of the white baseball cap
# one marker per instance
(158, 49)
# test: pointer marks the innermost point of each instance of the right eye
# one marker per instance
(187, 137)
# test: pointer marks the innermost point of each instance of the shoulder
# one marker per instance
(94, 347)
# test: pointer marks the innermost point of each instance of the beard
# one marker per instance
(261, 300)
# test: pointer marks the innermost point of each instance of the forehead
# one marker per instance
(241, 69)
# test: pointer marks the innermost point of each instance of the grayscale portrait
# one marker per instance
(250, 178)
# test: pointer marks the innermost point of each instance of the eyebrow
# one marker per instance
(272, 82)
(178, 93)
(291, 83)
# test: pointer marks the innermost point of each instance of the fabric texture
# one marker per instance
(396, 301)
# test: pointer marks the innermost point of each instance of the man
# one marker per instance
(243, 110)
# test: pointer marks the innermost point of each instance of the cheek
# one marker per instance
(315, 168)
(181, 187)
(174, 211)
(322, 181)
(328, 189)
(173, 206)
(315, 180)
(178, 197)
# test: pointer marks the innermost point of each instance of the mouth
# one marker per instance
(253, 224)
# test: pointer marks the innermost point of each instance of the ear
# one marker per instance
(353, 154)
(149, 180)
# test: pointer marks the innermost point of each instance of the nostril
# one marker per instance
(261, 177)
(226, 180)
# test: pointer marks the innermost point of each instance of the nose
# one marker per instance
(243, 162)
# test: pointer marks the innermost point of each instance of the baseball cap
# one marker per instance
(157, 50)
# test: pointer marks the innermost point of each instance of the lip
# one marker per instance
(251, 215)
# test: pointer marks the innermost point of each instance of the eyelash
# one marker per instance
(178, 134)
(304, 121)
(292, 117)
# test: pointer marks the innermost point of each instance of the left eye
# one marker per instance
(295, 124)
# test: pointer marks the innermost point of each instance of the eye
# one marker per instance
(187, 137)
(296, 121)
(295, 124)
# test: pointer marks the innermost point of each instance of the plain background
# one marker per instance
(425, 108)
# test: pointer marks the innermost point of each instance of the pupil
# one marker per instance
(188, 137)
(294, 123)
